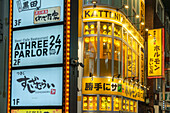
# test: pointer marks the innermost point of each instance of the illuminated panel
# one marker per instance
(37, 111)
(155, 55)
(67, 2)
(9, 57)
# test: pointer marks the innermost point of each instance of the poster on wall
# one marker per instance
(37, 87)
(31, 12)
(38, 46)
(155, 53)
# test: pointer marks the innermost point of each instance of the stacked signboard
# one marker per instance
(37, 61)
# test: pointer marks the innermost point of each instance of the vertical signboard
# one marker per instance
(39, 56)
(156, 53)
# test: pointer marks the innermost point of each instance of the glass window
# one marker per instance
(134, 45)
(106, 2)
(124, 61)
(134, 65)
(127, 104)
(125, 35)
(137, 67)
(105, 28)
(131, 106)
(117, 31)
(90, 56)
(130, 40)
(124, 104)
(89, 102)
(90, 28)
(105, 103)
(117, 57)
(105, 56)
(129, 63)
(135, 106)
(87, 2)
(117, 103)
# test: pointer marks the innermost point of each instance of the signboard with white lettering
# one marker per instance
(37, 87)
(25, 10)
(38, 46)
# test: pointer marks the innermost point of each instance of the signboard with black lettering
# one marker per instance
(37, 87)
(25, 10)
(38, 46)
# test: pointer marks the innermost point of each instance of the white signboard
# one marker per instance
(37, 87)
(37, 46)
(24, 10)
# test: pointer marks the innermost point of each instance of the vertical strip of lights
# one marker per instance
(9, 58)
(67, 56)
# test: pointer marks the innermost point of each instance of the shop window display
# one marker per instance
(117, 103)
(134, 65)
(124, 61)
(117, 57)
(129, 63)
(105, 56)
(90, 103)
(105, 28)
(105, 103)
(90, 56)
(117, 31)
(90, 28)
(125, 35)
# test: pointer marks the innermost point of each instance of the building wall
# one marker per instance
(3, 54)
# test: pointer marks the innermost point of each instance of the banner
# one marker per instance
(38, 46)
(37, 87)
(107, 86)
(155, 53)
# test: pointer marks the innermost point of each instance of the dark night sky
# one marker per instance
(167, 6)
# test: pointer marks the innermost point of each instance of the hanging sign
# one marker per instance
(155, 53)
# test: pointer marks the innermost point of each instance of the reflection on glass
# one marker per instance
(124, 61)
(106, 2)
(89, 102)
(134, 65)
(142, 66)
(90, 28)
(130, 40)
(105, 56)
(129, 62)
(105, 28)
(105, 103)
(117, 103)
(117, 31)
(125, 35)
(117, 57)
(90, 56)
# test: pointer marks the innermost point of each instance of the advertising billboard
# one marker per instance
(37, 46)
(31, 12)
(37, 87)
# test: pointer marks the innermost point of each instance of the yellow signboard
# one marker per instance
(102, 14)
(155, 49)
(112, 87)
(36, 111)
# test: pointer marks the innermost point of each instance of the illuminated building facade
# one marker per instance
(111, 47)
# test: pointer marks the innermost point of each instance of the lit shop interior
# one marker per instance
(112, 51)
